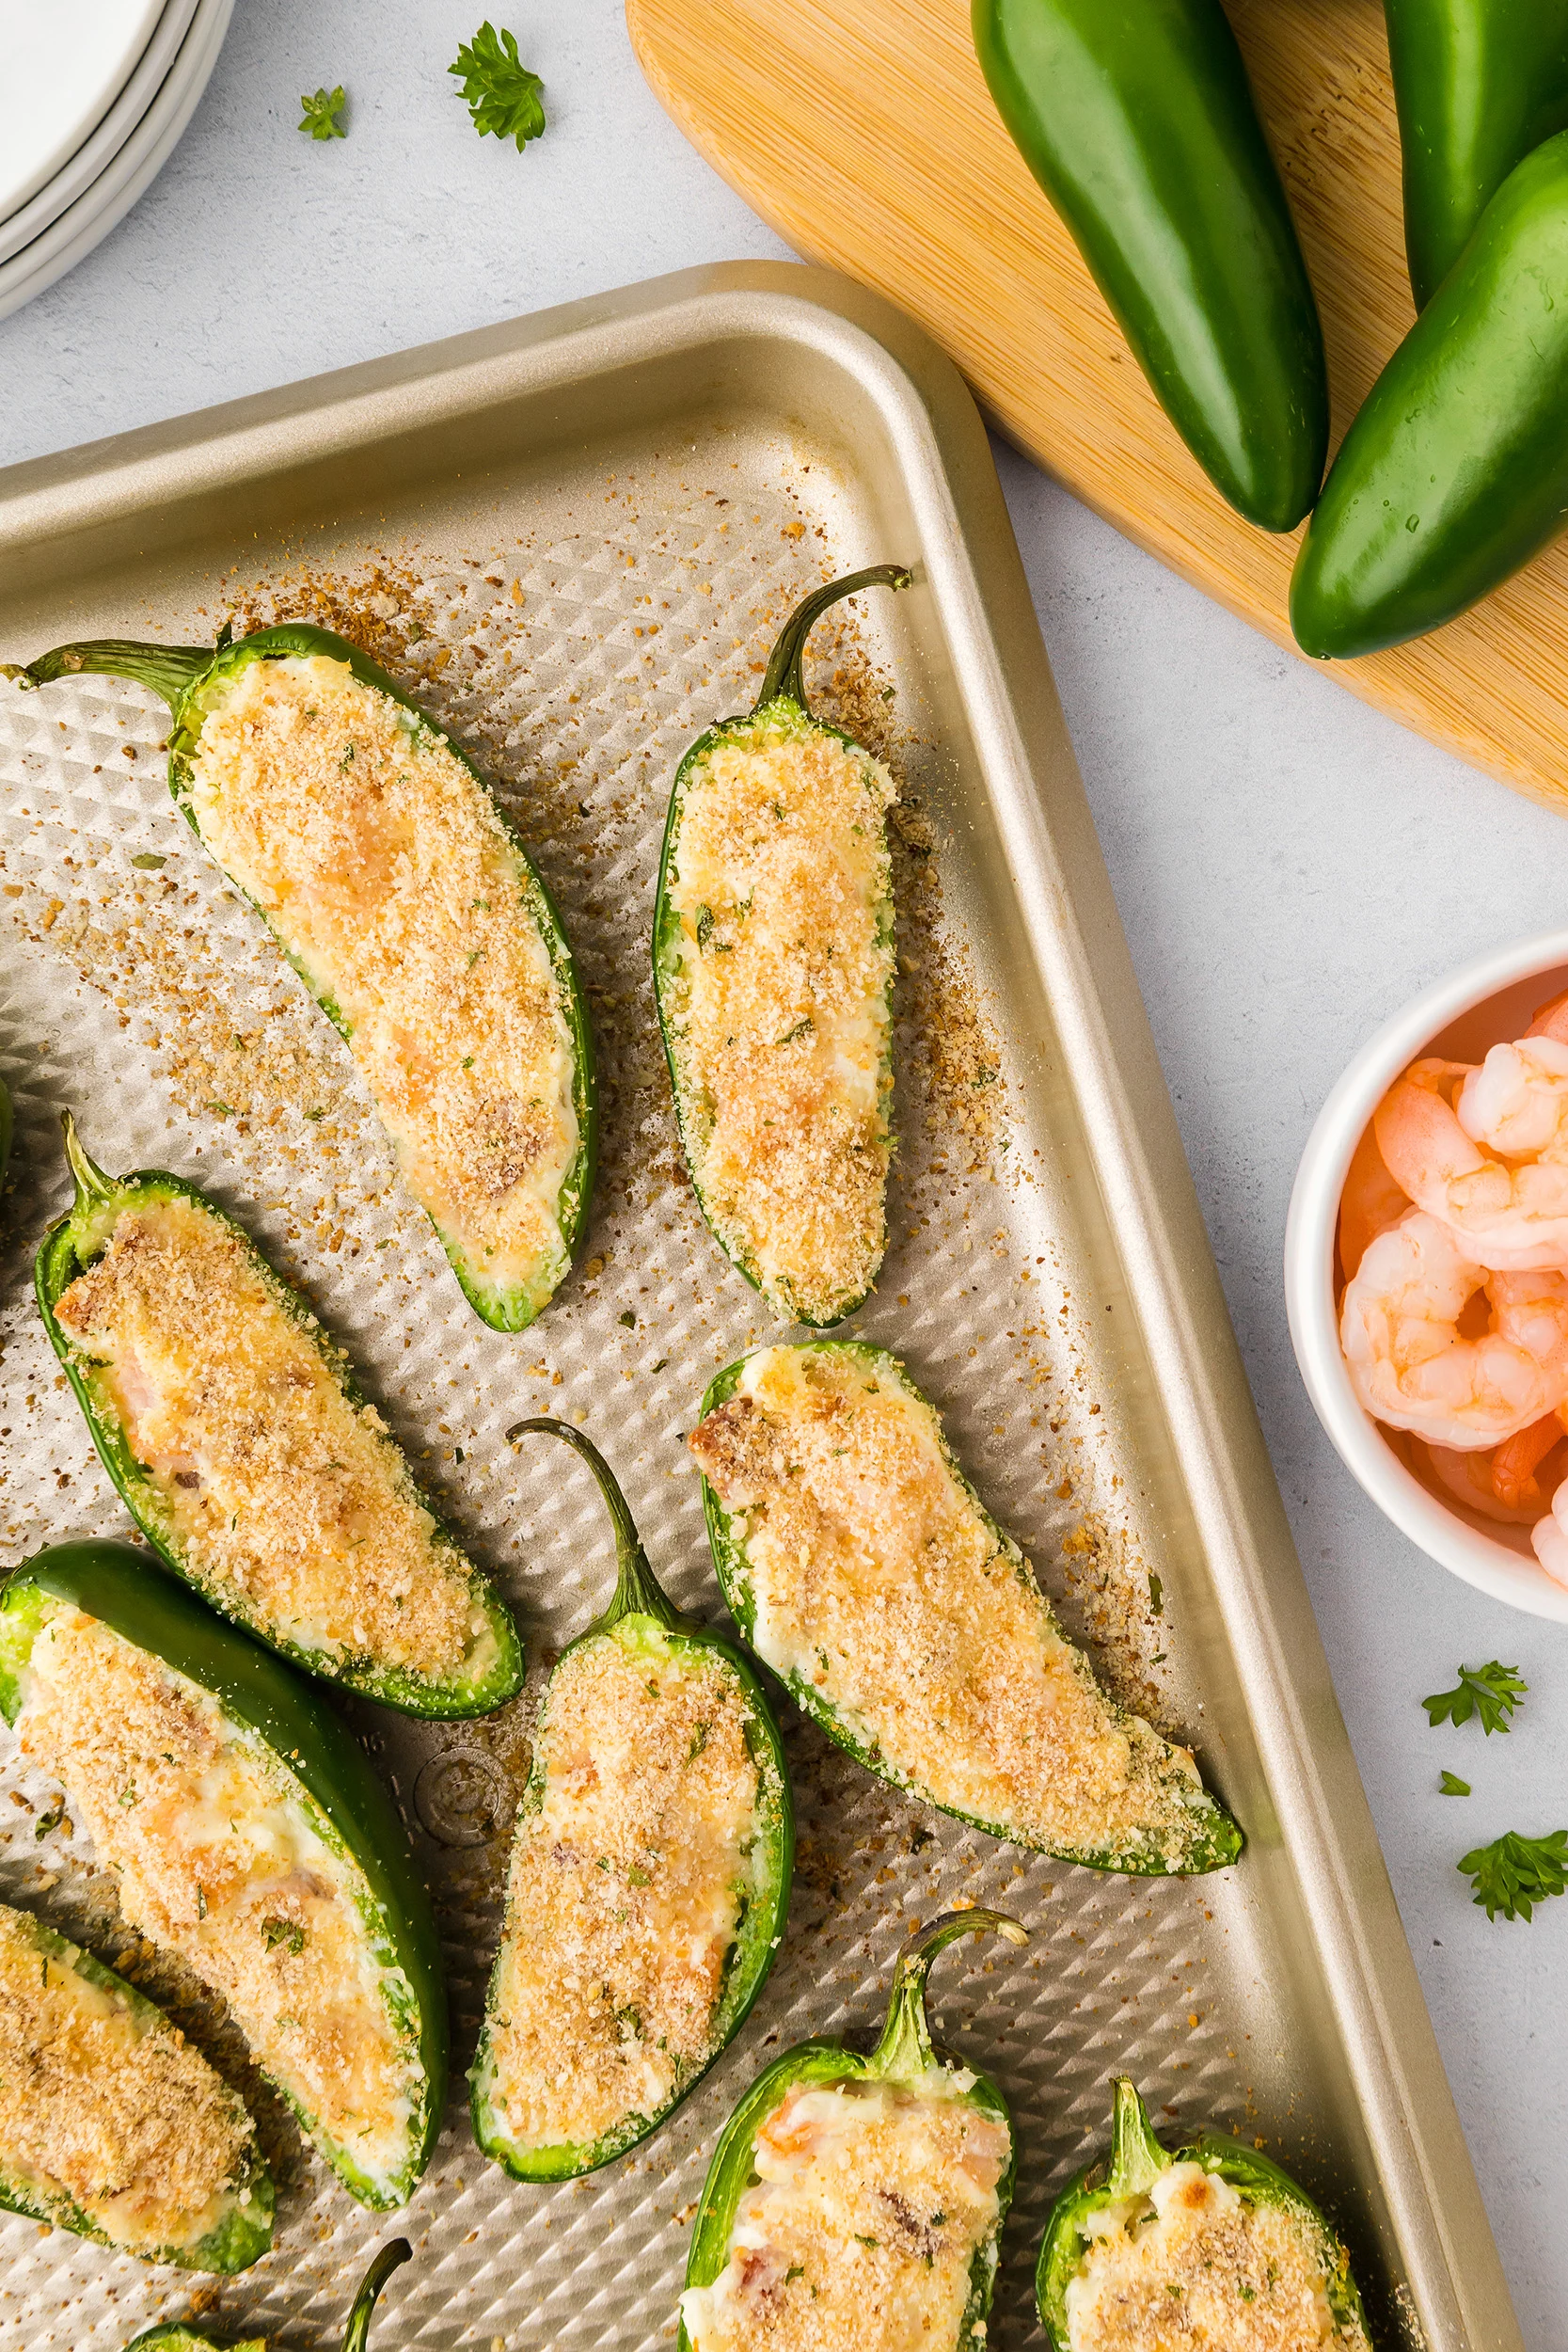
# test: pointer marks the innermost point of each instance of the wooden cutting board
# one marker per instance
(862, 132)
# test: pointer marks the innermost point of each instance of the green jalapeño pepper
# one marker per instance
(1212, 2227)
(864, 1571)
(1479, 84)
(406, 899)
(112, 2124)
(1136, 119)
(1455, 472)
(649, 1880)
(858, 2198)
(249, 1833)
(242, 1448)
(773, 969)
(174, 2336)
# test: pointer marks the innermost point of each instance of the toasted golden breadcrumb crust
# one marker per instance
(625, 1891)
(783, 887)
(267, 1479)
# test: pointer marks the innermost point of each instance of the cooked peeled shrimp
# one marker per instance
(1468, 1477)
(1370, 1203)
(1511, 1218)
(1550, 1538)
(1517, 1103)
(1411, 1367)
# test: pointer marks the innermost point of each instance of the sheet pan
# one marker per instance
(574, 535)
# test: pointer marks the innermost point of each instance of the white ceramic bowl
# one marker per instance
(1494, 997)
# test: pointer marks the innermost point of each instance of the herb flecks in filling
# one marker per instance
(106, 2106)
(1193, 2263)
(268, 1481)
(872, 2202)
(878, 1581)
(781, 1033)
(626, 1888)
(213, 1845)
(390, 877)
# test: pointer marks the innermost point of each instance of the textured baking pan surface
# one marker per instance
(574, 540)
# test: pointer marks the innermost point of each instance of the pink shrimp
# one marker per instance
(1511, 1218)
(1411, 1365)
(1370, 1203)
(1472, 1480)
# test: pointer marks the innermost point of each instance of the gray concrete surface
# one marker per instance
(1289, 866)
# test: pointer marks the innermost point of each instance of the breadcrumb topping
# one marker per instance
(784, 890)
(390, 876)
(268, 1482)
(871, 2203)
(105, 2107)
(1193, 2263)
(628, 1883)
(879, 1582)
(218, 1859)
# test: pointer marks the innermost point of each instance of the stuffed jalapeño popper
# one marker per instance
(773, 965)
(649, 1880)
(858, 2201)
(247, 1833)
(112, 2123)
(864, 1570)
(404, 897)
(1207, 2244)
(241, 1445)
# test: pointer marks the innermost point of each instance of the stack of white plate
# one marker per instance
(94, 96)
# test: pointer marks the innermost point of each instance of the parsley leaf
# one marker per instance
(285, 1931)
(501, 95)
(1513, 1873)
(1452, 1786)
(321, 117)
(1491, 1692)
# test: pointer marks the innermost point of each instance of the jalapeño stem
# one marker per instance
(91, 1183)
(638, 1591)
(905, 2049)
(389, 2259)
(168, 670)
(1137, 2158)
(784, 680)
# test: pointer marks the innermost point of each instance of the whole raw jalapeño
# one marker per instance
(208, 1519)
(455, 1079)
(268, 1773)
(773, 965)
(854, 2236)
(1213, 2226)
(1137, 119)
(175, 2336)
(1478, 83)
(658, 1802)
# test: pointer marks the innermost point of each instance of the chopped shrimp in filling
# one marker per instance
(872, 2202)
(627, 1882)
(781, 1020)
(106, 2107)
(388, 874)
(217, 1859)
(266, 1479)
(1192, 2263)
(878, 1581)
